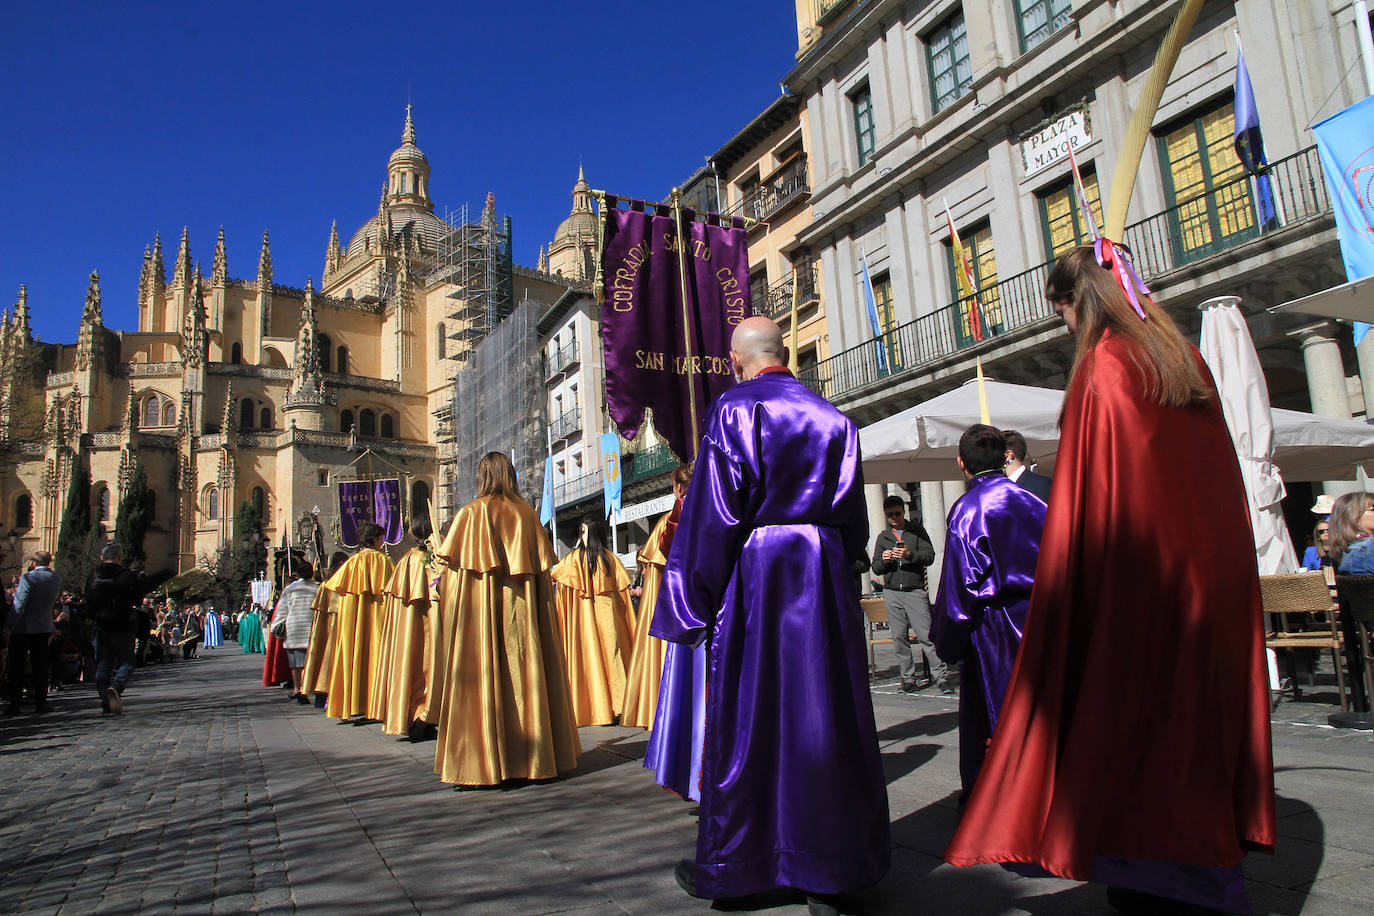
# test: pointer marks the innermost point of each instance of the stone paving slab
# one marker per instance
(214, 795)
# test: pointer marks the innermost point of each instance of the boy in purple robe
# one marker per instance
(991, 549)
(792, 790)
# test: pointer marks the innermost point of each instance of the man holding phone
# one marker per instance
(901, 554)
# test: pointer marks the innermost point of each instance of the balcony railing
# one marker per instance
(1216, 221)
(778, 303)
(576, 488)
(652, 461)
(787, 184)
(568, 424)
(561, 359)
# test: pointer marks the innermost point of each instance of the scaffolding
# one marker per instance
(474, 258)
(498, 407)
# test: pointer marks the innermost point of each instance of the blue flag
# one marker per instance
(873, 313)
(610, 472)
(1345, 142)
(546, 500)
(1250, 143)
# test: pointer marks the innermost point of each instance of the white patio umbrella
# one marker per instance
(1230, 353)
(920, 442)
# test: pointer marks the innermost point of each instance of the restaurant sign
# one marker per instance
(1050, 141)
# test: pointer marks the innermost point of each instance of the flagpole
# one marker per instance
(553, 497)
(683, 246)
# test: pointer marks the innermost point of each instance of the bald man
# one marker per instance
(792, 792)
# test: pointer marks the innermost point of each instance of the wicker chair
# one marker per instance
(1357, 600)
(1289, 595)
(875, 612)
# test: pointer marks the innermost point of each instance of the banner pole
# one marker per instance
(553, 494)
(683, 245)
(792, 351)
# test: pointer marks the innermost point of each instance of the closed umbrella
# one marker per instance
(1230, 353)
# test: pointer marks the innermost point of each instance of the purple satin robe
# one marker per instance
(991, 549)
(792, 789)
(675, 741)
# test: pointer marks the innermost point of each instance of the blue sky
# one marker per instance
(128, 119)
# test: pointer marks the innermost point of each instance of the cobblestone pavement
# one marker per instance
(212, 794)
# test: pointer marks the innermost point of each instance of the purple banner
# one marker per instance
(642, 321)
(363, 501)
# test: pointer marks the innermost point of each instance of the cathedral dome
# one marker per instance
(416, 222)
(406, 200)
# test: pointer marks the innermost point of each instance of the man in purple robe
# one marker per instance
(792, 790)
(991, 548)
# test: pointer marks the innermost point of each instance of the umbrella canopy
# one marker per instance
(920, 442)
(1230, 354)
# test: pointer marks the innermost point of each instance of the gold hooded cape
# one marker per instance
(504, 710)
(319, 656)
(646, 659)
(406, 654)
(598, 626)
(360, 584)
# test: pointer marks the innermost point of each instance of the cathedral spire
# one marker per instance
(157, 274)
(219, 271)
(88, 338)
(582, 193)
(384, 227)
(226, 426)
(145, 276)
(265, 263)
(193, 334)
(130, 412)
(542, 265)
(181, 275)
(91, 312)
(408, 132)
(21, 314)
(333, 255)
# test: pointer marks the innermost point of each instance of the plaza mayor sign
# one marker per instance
(1051, 141)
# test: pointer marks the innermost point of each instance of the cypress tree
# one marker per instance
(73, 561)
(131, 526)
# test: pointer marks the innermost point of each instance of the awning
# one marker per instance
(1353, 301)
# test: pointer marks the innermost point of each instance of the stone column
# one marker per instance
(1364, 355)
(933, 514)
(874, 494)
(1321, 356)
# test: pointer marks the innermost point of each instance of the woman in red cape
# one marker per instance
(1134, 746)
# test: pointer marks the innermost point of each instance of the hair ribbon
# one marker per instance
(1118, 262)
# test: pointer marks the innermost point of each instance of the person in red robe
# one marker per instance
(1133, 746)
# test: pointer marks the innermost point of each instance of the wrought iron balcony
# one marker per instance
(561, 359)
(1223, 218)
(578, 488)
(568, 424)
(778, 303)
(784, 186)
(652, 461)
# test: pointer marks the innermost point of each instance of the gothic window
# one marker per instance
(23, 511)
(342, 367)
(236, 354)
(367, 423)
(246, 408)
(419, 499)
(388, 426)
(212, 502)
(150, 505)
(345, 420)
(258, 500)
(152, 411)
(265, 418)
(169, 413)
(441, 340)
(102, 504)
(325, 347)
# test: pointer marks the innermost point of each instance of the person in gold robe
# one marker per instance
(361, 585)
(402, 698)
(598, 625)
(504, 711)
(319, 655)
(646, 658)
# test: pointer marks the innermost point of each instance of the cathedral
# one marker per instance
(243, 391)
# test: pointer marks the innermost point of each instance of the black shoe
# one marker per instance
(685, 873)
(947, 689)
(821, 905)
(303, 699)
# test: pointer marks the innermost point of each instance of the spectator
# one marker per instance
(901, 553)
(28, 629)
(293, 608)
(1318, 553)
(112, 599)
(1352, 523)
(1018, 466)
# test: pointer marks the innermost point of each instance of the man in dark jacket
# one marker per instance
(28, 627)
(901, 554)
(1018, 467)
(112, 597)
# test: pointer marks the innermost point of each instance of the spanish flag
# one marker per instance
(963, 271)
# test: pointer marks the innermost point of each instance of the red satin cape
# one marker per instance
(1136, 723)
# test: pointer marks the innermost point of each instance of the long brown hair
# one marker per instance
(496, 476)
(1345, 522)
(1172, 375)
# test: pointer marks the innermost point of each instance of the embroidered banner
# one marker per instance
(642, 320)
(363, 501)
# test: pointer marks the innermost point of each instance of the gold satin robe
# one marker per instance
(598, 628)
(360, 584)
(406, 652)
(646, 659)
(319, 656)
(504, 711)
